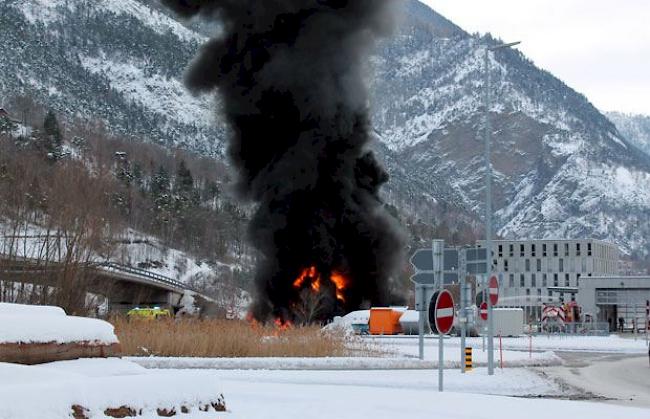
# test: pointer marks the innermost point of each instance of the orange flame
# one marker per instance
(282, 325)
(341, 283)
(312, 275)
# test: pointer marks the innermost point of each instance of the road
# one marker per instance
(617, 379)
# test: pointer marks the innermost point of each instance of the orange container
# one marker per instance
(384, 321)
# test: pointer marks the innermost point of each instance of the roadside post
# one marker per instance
(441, 318)
(493, 299)
(468, 359)
(424, 280)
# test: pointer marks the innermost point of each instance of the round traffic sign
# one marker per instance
(493, 290)
(483, 311)
(443, 314)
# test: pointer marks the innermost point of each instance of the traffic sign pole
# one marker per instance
(490, 343)
(493, 299)
(420, 321)
(443, 317)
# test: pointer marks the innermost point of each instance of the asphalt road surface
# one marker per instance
(619, 379)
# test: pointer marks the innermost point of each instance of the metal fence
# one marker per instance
(577, 328)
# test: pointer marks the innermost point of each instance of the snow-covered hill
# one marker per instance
(562, 168)
(636, 128)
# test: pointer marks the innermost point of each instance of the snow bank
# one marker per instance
(604, 344)
(49, 391)
(335, 364)
(20, 309)
(27, 327)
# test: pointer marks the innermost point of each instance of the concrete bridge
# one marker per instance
(125, 287)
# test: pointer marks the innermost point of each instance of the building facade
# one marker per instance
(617, 300)
(534, 272)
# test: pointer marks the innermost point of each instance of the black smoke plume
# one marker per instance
(291, 76)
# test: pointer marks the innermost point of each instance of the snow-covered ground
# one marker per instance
(49, 391)
(606, 344)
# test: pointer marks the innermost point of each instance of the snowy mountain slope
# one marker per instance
(636, 128)
(116, 61)
(562, 168)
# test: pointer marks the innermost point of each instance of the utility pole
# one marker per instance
(488, 198)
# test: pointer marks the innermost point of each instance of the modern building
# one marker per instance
(612, 298)
(534, 272)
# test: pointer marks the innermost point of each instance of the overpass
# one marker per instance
(124, 286)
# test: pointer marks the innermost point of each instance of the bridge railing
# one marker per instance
(155, 277)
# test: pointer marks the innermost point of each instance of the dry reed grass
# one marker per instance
(227, 338)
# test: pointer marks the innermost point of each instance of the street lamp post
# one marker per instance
(488, 198)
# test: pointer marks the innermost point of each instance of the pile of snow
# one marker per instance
(50, 390)
(41, 324)
(24, 309)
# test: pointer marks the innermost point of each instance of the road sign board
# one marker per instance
(423, 278)
(422, 260)
(484, 311)
(476, 261)
(441, 312)
(493, 290)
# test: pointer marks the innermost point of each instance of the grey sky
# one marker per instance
(601, 48)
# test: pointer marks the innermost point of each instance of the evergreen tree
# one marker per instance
(53, 139)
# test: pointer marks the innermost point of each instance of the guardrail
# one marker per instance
(573, 328)
(155, 277)
(25, 264)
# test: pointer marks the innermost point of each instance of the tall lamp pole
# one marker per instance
(488, 198)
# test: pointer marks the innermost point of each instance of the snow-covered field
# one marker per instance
(49, 391)
(606, 344)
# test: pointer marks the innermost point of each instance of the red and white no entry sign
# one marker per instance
(493, 290)
(444, 312)
(483, 311)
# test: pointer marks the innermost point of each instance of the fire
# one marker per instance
(313, 277)
(341, 283)
(282, 325)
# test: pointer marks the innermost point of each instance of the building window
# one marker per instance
(511, 250)
(505, 265)
(566, 249)
(588, 249)
(578, 280)
(533, 280)
(527, 265)
(532, 250)
(544, 250)
(577, 249)
(527, 294)
(556, 281)
(561, 267)
(562, 297)
(522, 280)
(539, 265)
(521, 250)
(539, 294)
(512, 280)
(500, 250)
(555, 249)
(544, 281)
(567, 280)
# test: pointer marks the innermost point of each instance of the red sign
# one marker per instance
(493, 290)
(444, 312)
(483, 311)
